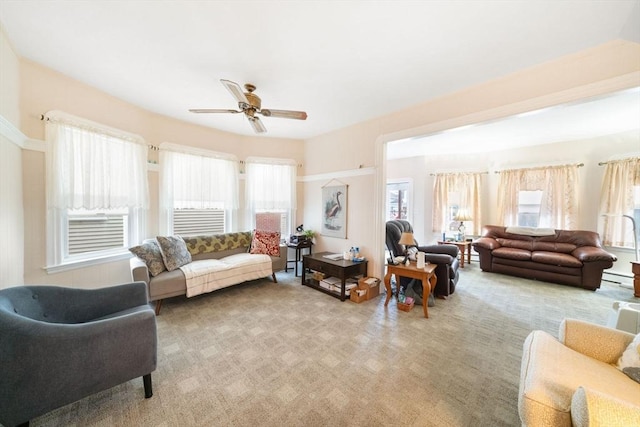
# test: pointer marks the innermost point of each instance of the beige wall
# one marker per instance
(602, 69)
(11, 207)
(42, 90)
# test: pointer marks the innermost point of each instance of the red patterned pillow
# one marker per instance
(266, 242)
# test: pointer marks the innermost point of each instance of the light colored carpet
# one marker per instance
(266, 354)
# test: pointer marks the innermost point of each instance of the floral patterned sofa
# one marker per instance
(192, 265)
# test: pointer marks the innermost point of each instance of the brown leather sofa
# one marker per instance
(568, 257)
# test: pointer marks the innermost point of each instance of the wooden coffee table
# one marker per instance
(426, 274)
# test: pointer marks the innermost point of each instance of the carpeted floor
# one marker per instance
(266, 354)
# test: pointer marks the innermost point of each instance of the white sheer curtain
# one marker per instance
(270, 185)
(192, 178)
(468, 186)
(620, 181)
(559, 186)
(90, 166)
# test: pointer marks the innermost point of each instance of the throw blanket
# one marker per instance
(531, 231)
(210, 274)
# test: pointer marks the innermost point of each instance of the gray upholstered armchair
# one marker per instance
(445, 256)
(59, 345)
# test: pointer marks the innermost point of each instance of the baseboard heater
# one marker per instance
(619, 278)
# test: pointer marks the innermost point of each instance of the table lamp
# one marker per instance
(406, 239)
(462, 216)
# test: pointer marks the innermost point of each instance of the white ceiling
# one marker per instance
(341, 61)
(606, 115)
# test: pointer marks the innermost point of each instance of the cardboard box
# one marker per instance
(371, 284)
(358, 295)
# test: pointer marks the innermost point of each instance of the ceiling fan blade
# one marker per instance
(236, 91)
(257, 125)
(213, 110)
(285, 114)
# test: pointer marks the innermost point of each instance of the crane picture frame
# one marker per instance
(334, 211)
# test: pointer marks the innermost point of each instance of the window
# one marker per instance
(96, 190)
(199, 190)
(398, 198)
(529, 203)
(191, 222)
(456, 201)
(546, 196)
(270, 186)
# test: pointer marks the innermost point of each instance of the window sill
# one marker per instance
(74, 265)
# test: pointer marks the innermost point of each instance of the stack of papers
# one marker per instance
(334, 257)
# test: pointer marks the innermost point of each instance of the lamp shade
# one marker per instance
(463, 215)
(406, 239)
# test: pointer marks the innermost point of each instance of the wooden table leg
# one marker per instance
(387, 284)
(426, 291)
(469, 254)
(428, 286)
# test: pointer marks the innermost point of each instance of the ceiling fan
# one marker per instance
(250, 104)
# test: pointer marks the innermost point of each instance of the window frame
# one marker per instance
(58, 258)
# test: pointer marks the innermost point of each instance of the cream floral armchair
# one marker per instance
(574, 380)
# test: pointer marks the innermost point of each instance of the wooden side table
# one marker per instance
(635, 268)
(426, 274)
(298, 247)
(463, 246)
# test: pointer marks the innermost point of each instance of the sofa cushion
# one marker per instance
(512, 253)
(555, 258)
(174, 251)
(551, 373)
(150, 253)
(565, 248)
(266, 242)
(217, 242)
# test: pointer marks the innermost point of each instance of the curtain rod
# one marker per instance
(578, 165)
(458, 173)
(616, 161)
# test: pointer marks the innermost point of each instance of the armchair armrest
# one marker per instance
(451, 250)
(598, 342)
(590, 407)
(438, 258)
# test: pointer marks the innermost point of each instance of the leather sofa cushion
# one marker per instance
(554, 258)
(564, 248)
(512, 253)
(514, 243)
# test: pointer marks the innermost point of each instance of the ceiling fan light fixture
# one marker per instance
(250, 104)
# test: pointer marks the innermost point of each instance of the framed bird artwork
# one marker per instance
(334, 211)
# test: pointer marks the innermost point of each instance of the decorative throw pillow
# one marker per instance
(150, 253)
(265, 242)
(174, 252)
(631, 356)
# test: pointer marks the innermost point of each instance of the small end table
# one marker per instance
(426, 274)
(463, 246)
(298, 247)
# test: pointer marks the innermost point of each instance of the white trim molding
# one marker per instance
(13, 134)
(339, 174)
